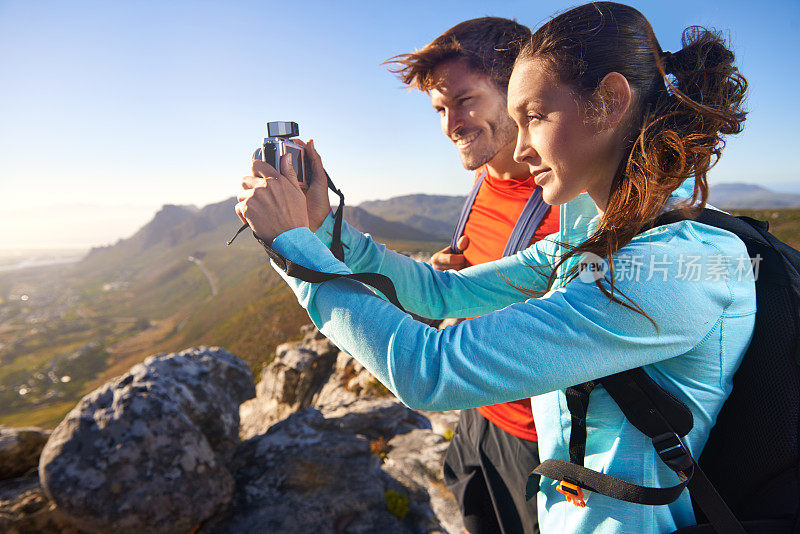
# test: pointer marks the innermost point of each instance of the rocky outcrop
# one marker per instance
(20, 449)
(149, 451)
(352, 459)
(323, 447)
(312, 473)
(292, 381)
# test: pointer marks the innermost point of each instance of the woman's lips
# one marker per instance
(538, 175)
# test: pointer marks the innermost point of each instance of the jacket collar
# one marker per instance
(579, 217)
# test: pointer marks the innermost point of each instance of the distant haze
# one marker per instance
(791, 187)
(71, 226)
(80, 227)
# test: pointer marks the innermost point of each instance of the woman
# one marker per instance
(617, 132)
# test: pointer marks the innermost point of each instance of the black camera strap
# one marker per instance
(378, 281)
(336, 243)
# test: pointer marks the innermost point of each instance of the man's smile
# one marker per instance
(465, 141)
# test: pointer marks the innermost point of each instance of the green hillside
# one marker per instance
(66, 329)
(433, 214)
(126, 307)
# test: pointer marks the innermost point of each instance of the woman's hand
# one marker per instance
(319, 206)
(272, 202)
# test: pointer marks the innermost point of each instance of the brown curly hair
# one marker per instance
(488, 44)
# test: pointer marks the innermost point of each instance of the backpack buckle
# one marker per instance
(572, 492)
(673, 452)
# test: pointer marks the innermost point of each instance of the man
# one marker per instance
(465, 71)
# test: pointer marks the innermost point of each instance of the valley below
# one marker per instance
(69, 326)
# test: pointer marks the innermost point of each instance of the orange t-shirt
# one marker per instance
(494, 214)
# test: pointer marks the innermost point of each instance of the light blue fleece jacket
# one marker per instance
(537, 347)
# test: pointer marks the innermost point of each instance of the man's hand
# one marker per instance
(445, 259)
(272, 202)
(319, 206)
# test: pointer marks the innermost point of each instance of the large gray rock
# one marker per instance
(315, 473)
(307, 373)
(376, 417)
(148, 452)
(20, 449)
(208, 384)
(330, 450)
(299, 370)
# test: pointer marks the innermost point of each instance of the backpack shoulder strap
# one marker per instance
(653, 411)
(664, 419)
(527, 223)
(458, 231)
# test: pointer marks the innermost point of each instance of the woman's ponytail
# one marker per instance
(701, 100)
(706, 79)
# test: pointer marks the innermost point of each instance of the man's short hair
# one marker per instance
(488, 44)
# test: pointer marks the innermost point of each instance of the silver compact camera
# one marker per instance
(277, 143)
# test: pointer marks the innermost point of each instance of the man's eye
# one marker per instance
(464, 100)
(534, 117)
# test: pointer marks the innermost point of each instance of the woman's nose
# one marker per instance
(523, 152)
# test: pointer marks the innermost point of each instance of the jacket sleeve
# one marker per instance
(571, 335)
(436, 294)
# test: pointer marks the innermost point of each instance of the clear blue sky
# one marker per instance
(110, 109)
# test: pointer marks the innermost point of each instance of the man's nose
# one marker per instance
(452, 122)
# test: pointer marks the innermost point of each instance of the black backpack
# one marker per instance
(747, 478)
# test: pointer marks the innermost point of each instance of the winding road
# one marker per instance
(206, 272)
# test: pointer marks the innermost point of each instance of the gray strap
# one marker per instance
(465, 211)
(529, 220)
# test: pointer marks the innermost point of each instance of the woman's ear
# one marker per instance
(615, 97)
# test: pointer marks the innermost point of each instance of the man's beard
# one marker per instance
(489, 143)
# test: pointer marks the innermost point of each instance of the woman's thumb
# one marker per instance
(462, 243)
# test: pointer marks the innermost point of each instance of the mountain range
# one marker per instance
(750, 196)
(417, 217)
(433, 214)
(175, 284)
(437, 214)
(399, 218)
